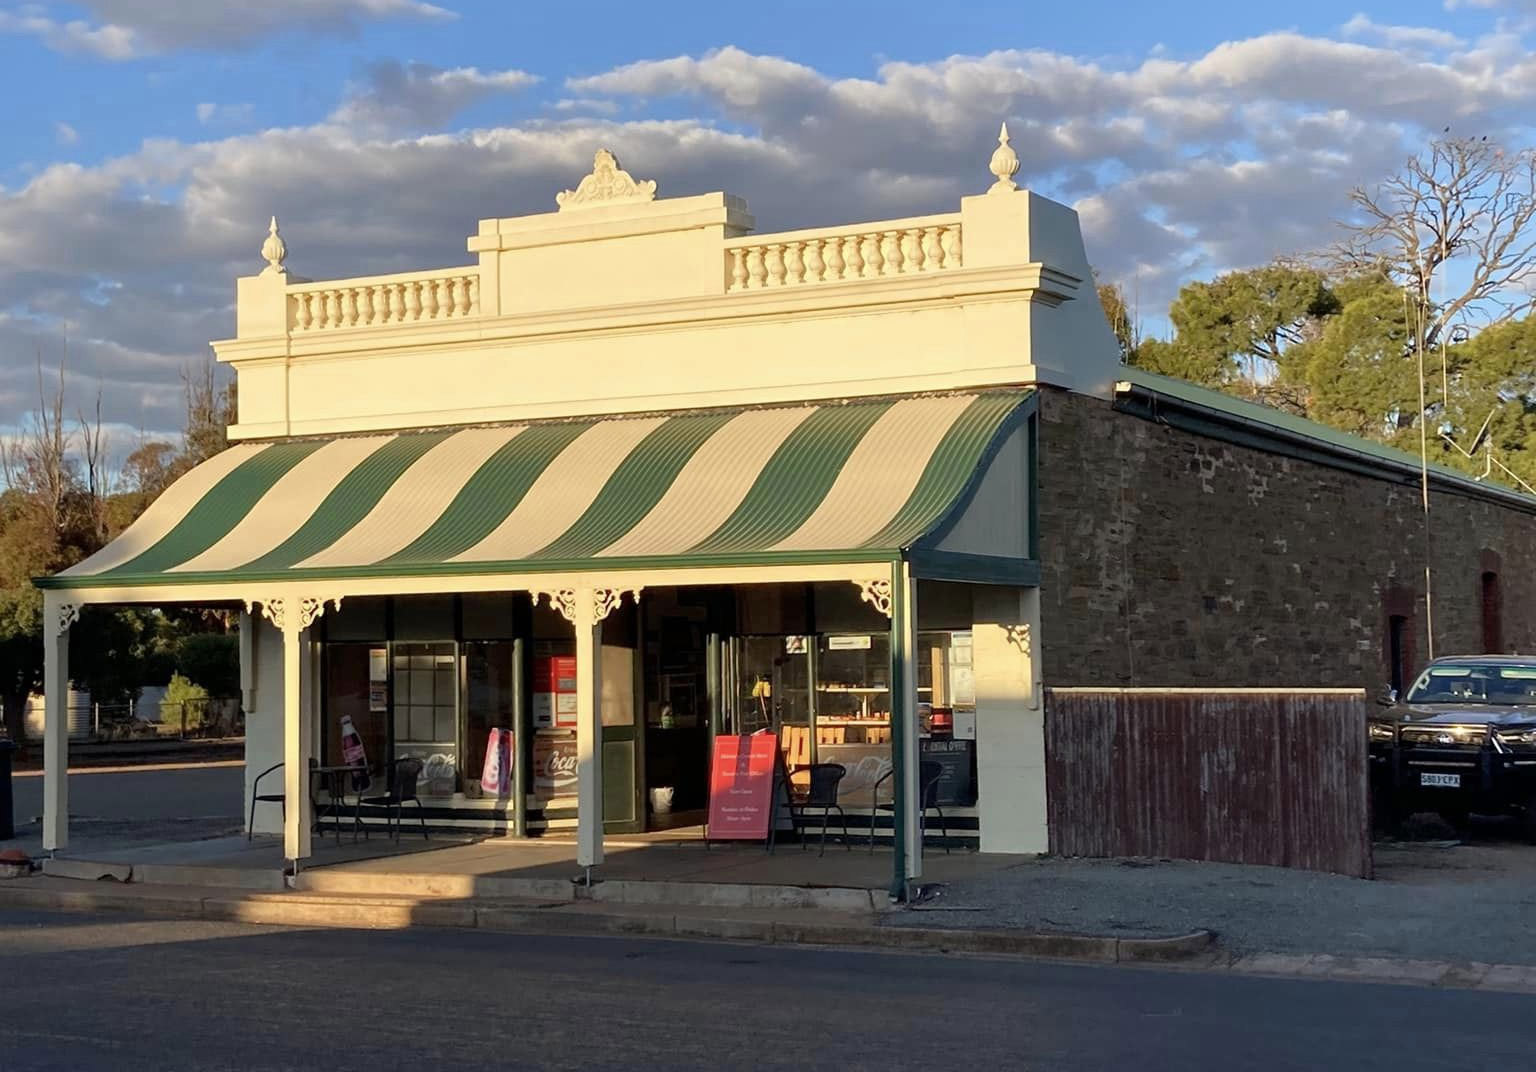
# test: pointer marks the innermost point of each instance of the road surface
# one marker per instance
(139, 795)
(108, 992)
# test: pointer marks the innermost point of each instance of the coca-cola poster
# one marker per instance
(554, 767)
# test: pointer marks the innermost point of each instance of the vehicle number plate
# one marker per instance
(1450, 781)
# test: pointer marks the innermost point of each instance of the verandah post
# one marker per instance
(58, 616)
(589, 731)
(296, 746)
(907, 862)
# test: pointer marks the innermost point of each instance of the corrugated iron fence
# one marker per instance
(1238, 775)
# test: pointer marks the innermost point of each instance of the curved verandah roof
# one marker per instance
(830, 482)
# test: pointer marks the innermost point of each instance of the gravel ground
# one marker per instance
(1438, 901)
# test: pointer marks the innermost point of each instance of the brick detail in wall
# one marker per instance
(1172, 559)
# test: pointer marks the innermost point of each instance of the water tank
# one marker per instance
(79, 721)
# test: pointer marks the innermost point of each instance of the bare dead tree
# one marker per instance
(98, 479)
(1465, 200)
(37, 460)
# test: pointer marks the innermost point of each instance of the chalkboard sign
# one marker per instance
(957, 785)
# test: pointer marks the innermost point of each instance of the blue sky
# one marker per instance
(148, 148)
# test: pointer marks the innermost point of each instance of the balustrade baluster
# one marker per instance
(332, 309)
(757, 271)
(396, 303)
(776, 265)
(348, 307)
(890, 253)
(301, 317)
(460, 297)
(412, 301)
(853, 257)
(834, 259)
(869, 246)
(911, 250)
(933, 253)
(794, 263)
(738, 269)
(815, 267)
(951, 242)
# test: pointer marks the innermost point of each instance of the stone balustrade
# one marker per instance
(797, 258)
(383, 300)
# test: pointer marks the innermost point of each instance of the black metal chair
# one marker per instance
(820, 793)
(258, 797)
(402, 791)
(929, 774)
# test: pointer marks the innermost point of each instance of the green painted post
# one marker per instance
(899, 719)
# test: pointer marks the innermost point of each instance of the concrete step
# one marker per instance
(796, 926)
(615, 891)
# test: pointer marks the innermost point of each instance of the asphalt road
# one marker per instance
(107, 992)
(139, 795)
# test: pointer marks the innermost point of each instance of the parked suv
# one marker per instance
(1462, 740)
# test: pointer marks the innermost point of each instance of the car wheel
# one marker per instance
(1457, 817)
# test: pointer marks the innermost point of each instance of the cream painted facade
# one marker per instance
(620, 302)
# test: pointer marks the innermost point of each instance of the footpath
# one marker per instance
(629, 910)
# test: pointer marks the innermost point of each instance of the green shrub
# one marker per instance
(212, 660)
(183, 692)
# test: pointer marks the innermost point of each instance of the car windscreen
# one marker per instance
(1489, 683)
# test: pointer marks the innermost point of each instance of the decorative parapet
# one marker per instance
(377, 301)
(868, 251)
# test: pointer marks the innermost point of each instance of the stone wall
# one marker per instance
(1173, 559)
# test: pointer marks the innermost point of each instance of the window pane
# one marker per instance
(421, 724)
(420, 688)
(445, 730)
(444, 687)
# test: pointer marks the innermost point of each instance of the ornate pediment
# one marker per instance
(608, 182)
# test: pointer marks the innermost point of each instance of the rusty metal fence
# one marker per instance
(1254, 776)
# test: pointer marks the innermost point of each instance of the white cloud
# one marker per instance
(65, 134)
(1422, 37)
(398, 96)
(74, 35)
(211, 113)
(128, 29)
(596, 105)
(1179, 167)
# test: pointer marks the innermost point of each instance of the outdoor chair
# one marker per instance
(929, 775)
(820, 793)
(258, 797)
(402, 791)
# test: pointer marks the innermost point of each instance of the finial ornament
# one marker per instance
(1005, 164)
(608, 182)
(274, 249)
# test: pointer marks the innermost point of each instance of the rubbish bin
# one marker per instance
(7, 806)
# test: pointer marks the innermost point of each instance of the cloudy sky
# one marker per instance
(148, 141)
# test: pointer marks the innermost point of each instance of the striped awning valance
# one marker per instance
(743, 485)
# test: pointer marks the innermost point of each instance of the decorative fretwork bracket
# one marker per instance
(877, 593)
(275, 609)
(604, 601)
(69, 614)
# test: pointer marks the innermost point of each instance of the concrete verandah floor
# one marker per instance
(669, 856)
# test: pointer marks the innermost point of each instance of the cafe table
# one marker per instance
(333, 781)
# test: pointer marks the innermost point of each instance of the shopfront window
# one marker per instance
(488, 705)
(357, 701)
(853, 712)
(426, 712)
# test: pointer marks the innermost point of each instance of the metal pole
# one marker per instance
(1429, 603)
(522, 744)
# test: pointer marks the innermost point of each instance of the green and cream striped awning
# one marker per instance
(739, 486)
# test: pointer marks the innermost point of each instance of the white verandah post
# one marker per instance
(586, 608)
(589, 733)
(58, 616)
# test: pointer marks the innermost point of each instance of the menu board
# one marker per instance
(741, 782)
(957, 785)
